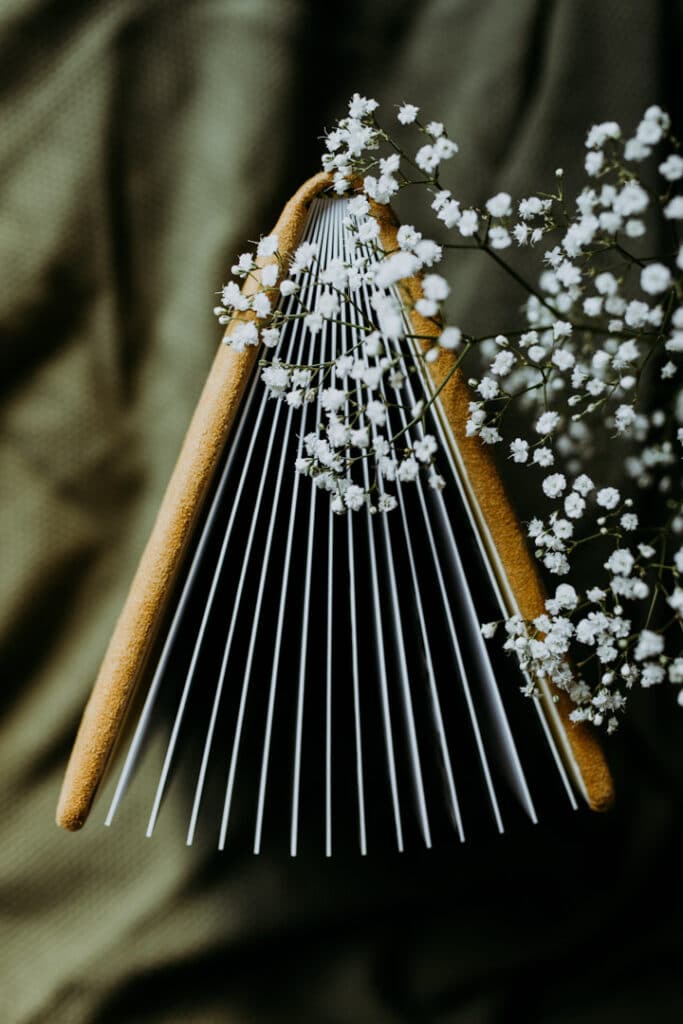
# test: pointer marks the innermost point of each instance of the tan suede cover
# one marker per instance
(152, 586)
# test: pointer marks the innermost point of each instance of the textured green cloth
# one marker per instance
(141, 144)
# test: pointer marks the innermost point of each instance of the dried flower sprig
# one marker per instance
(603, 314)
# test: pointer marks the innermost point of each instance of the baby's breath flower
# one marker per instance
(267, 246)
(574, 506)
(543, 457)
(499, 238)
(245, 333)
(354, 497)
(519, 450)
(407, 113)
(649, 645)
(450, 338)
(672, 167)
(594, 162)
(674, 209)
(435, 287)
(655, 278)
(270, 337)
(554, 485)
(620, 562)
(468, 223)
(500, 205)
(547, 422)
(608, 497)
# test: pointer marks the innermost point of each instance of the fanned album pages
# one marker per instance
(312, 680)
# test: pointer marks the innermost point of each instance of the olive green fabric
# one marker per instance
(141, 144)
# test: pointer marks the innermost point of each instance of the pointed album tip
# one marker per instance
(602, 800)
(69, 821)
(72, 810)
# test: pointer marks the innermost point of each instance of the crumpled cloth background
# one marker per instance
(142, 143)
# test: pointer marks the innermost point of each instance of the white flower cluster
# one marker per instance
(602, 312)
(248, 312)
(594, 629)
(620, 655)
